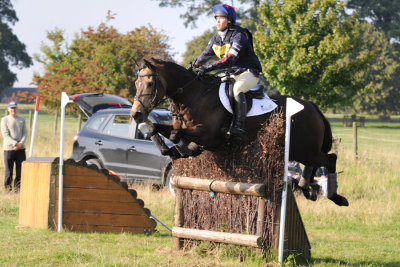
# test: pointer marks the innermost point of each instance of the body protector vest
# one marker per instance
(234, 51)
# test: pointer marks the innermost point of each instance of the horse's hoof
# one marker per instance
(316, 187)
(165, 152)
(306, 193)
(174, 153)
(339, 200)
(314, 195)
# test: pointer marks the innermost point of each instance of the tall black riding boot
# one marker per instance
(237, 126)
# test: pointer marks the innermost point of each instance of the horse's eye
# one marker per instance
(150, 83)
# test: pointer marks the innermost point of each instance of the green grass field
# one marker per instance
(367, 233)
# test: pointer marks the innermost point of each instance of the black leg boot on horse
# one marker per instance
(332, 191)
(237, 125)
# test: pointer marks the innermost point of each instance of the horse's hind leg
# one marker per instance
(305, 180)
(331, 165)
(332, 191)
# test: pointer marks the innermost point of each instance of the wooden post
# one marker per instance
(55, 123)
(179, 216)
(355, 144)
(30, 120)
(260, 219)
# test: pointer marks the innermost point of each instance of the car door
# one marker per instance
(115, 142)
(145, 161)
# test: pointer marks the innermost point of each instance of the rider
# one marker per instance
(233, 45)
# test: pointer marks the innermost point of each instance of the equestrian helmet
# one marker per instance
(225, 11)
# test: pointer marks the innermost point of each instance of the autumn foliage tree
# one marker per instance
(100, 60)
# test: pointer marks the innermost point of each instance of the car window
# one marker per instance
(119, 126)
(95, 123)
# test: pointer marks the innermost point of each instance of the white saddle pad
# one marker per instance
(260, 106)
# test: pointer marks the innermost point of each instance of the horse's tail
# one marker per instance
(328, 138)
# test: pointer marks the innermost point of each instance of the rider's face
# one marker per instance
(222, 23)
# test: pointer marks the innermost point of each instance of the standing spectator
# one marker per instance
(13, 129)
(321, 178)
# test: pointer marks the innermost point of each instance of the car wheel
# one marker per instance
(168, 183)
(95, 162)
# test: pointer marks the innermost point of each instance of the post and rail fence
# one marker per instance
(296, 241)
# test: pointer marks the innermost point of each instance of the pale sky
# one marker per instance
(38, 16)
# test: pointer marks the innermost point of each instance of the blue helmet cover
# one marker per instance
(225, 11)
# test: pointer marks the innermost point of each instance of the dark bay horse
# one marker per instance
(200, 120)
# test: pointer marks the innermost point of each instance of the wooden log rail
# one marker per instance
(232, 188)
(179, 233)
(205, 235)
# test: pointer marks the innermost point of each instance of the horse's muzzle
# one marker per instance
(138, 116)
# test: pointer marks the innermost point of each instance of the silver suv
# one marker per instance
(110, 139)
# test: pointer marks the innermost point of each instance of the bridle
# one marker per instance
(154, 102)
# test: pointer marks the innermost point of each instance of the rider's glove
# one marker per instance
(205, 69)
(191, 66)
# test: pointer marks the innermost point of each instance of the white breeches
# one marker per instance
(244, 82)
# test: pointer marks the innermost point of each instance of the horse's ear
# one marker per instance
(136, 63)
(147, 62)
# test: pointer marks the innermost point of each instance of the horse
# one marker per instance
(200, 121)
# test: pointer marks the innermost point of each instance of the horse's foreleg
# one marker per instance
(160, 144)
(155, 128)
(164, 149)
(191, 150)
(307, 176)
(175, 136)
(196, 134)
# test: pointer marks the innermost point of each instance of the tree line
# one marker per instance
(342, 55)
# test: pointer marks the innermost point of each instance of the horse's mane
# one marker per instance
(171, 66)
(180, 71)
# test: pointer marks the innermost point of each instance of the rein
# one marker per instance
(176, 110)
(180, 89)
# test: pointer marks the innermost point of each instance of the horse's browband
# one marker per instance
(147, 75)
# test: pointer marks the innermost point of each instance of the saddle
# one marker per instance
(257, 101)
(257, 92)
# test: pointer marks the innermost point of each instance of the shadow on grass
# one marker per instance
(322, 261)
(392, 127)
(163, 234)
